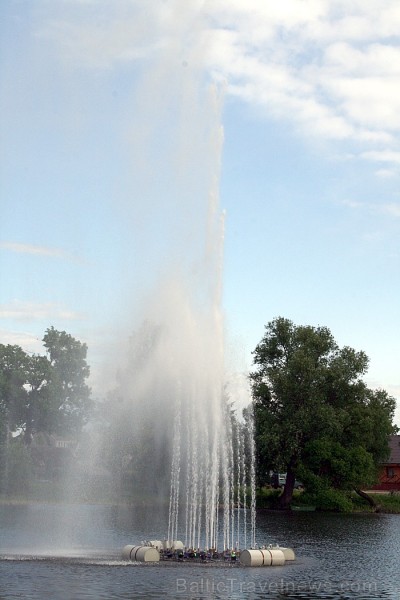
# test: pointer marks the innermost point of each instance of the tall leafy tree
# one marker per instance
(39, 394)
(44, 393)
(68, 391)
(13, 378)
(314, 415)
(38, 413)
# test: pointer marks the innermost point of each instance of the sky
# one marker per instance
(120, 117)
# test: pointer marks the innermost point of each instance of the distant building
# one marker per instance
(51, 454)
(50, 440)
(389, 477)
(61, 443)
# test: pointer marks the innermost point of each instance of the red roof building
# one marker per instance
(389, 477)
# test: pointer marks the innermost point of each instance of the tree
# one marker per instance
(39, 394)
(314, 416)
(69, 402)
(13, 377)
(44, 393)
(38, 412)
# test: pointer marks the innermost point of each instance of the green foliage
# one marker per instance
(337, 465)
(3, 448)
(40, 394)
(323, 498)
(390, 503)
(19, 467)
(69, 393)
(314, 416)
(329, 499)
(267, 498)
(13, 377)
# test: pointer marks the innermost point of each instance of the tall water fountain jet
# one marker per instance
(175, 380)
(205, 452)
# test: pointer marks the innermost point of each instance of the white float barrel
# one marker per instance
(262, 557)
(288, 553)
(172, 545)
(177, 545)
(141, 553)
(156, 544)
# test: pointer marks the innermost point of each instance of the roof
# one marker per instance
(394, 444)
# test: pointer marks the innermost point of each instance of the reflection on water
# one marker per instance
(51, 551)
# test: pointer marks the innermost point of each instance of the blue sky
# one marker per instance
(110, 141)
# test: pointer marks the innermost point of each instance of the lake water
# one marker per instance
(73, 552)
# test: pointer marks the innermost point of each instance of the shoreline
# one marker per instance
(390, 504)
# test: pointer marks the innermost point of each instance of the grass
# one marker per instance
(390, 502)
(331, 501)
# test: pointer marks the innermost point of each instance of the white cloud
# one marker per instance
(392, 209)
(368, 102)
(375, 59)
(331, 67)
(34, 250)
(387, 156)
(352, 203)
(30, 311)
(27, 341)
(386, 173)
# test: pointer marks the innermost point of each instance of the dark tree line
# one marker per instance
(314, 417)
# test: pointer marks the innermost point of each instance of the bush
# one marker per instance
(267, 498)
(390, 502)
(329, 499)
(18, 468)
